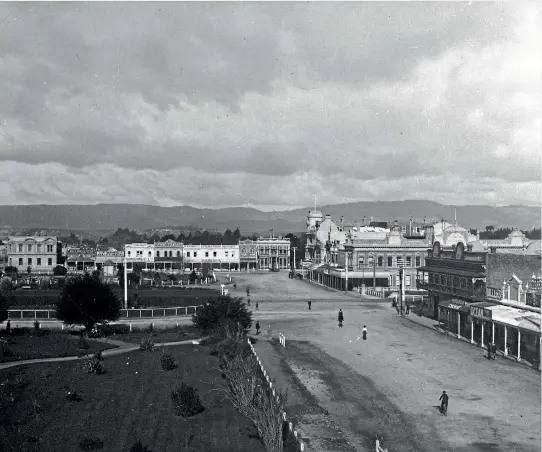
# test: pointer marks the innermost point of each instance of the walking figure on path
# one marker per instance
(444, 404)
(248, 291)
(249, 301)
(364, 332)
(257, 328)
(310, 302)
(257, 306)
(341, 318)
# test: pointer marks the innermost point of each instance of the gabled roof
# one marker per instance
(501, 267)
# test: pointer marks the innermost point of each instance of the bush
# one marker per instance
(83, 343)
(224, 317)
(230, 347)
(6, 350)
(94, 366)
(147, 344)
(186, 401)
(99, 356)
(139, 447)
(167, 361)
(4, 305)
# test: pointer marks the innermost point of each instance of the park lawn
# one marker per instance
(47, 344)
(180, 333)
(130, 402)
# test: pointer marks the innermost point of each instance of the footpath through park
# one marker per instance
(121, 347)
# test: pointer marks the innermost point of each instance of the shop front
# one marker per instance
(454, 315)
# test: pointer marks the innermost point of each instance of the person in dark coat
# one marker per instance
(340, 318)
(8, 327)
(309, 302)
(364, 332)
(444, 403)
(257, 327)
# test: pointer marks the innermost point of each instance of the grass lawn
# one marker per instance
(130, 402)
(26, 344)
(180, 333)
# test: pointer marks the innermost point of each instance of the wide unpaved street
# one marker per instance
(343, 391)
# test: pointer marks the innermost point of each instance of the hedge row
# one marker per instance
(160, 298)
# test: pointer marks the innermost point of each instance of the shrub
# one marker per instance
(139, 447)
(186, 401)
(223, 316)
(94, 366)
(167, 361)
(7, 351)
(147, 344)
(99, 356)
(83, 343)
(229, 348)
(4, 305)
(87, 301)
(150, 329)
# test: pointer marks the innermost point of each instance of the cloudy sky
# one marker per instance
(270, 104)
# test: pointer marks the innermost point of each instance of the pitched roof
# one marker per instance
(501, 267)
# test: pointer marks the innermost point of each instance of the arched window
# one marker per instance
(129, 253)
(418, 260)
(158, 254)
(150, 253)
(171, 254)
(178, 254)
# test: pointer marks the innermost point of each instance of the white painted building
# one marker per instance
(220, 257)
(37, 252)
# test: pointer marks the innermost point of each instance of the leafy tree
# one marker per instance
(86, 301)
(490, 228)
(133, 278)
(237, 235)
(29, 270)
(223, 316)
(60, 270)
(168, 237)
(181, 237)
(4, 305)
(11, 271)
(206, 270)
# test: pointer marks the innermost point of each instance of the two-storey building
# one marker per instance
(38, 252)
(248, 255)
(273, 253)
(219, 257)
(80, 258)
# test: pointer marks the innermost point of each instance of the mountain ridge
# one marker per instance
(93, 217)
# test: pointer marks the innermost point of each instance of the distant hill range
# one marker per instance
(107, 217)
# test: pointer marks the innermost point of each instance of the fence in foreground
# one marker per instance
(124, 313)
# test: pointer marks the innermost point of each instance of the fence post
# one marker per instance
(176, 312)
(164, 312)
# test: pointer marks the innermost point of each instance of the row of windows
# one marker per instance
(226, 254)
(139, 253)
(30, 261)
(29, 248)
(393, 280)
(400, 262)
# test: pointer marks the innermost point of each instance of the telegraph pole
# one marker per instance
(401, 288)
(294, 248)
(125, 284)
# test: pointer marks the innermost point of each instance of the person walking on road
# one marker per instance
(257, 306)
(310, 302)
(257, 328)
(248, 291)
(364, 332)
(340, 318)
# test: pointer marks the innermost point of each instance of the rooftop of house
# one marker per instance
(501, 267)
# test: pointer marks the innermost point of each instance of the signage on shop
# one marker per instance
(480, 313)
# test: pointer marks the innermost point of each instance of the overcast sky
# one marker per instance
(270, 104)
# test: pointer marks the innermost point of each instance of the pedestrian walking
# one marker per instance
(310, 302)
(8, 328)
(257, 306)
(257, 328)
(407, 309)
(444, 404)
(364, 332)
(340, 318)
(249, 301)
(248, 291)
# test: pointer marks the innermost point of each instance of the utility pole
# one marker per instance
(125, 284)
(401, 288)
(294, 248)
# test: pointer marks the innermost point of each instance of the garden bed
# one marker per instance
(130, 402)
(26, 343)
(180, 333)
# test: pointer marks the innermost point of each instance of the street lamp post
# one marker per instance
(294, 248)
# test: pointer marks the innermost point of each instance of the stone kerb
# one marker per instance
(284, 417)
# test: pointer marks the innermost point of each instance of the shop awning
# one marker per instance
(517, 318)
(368, 274)
(455, 305)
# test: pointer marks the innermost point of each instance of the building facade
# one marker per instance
(39, 253)
(273, 253)
(80, 258)
(248, 255)
(218, 257)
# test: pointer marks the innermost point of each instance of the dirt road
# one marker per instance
(389, 385)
